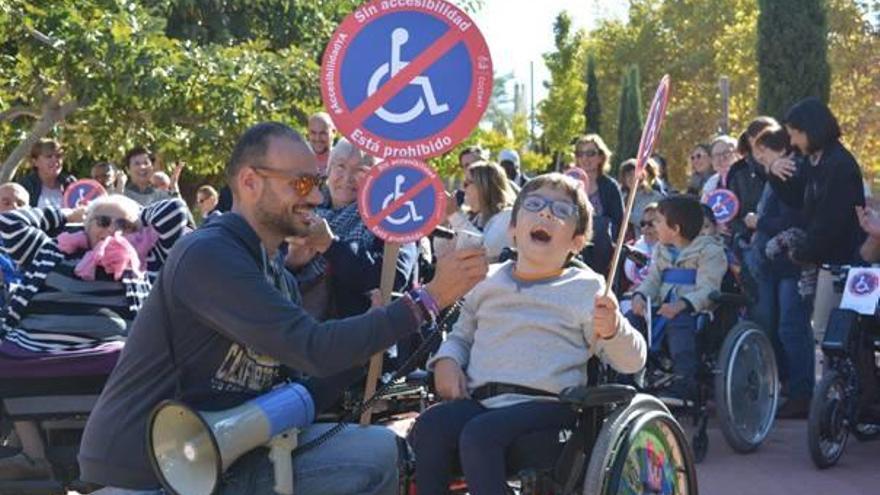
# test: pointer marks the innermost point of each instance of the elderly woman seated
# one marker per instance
(337, 270)
(81, 290)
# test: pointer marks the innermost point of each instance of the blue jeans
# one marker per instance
(680, 334)
(784, 314)
(360, 460)
(477, 436)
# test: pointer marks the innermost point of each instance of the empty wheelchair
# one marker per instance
(736, 367)
(847, 398)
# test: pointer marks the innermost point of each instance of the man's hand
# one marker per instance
(639, 306)
(175, 175)
(449, 380)
(606, 316)
(671, 310)
(456, 274)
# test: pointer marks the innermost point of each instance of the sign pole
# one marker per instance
(651, 131)
(386, 286)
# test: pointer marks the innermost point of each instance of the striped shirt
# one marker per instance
(53, 310)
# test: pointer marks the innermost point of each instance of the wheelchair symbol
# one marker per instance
(719, 208)
(411, 215)
(399, 37)
(864, 284)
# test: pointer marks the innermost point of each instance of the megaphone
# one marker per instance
(189, 449)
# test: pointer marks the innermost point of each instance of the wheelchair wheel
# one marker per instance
(641, 449)
(827, 428)
(746, 387)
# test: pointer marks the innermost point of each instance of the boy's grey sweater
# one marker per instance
(537, 334)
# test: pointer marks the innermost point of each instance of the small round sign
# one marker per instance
(401, 200)
(579, 175)
(82, 192)
(724, 204)
(406, 79)
(653, 124)
(863, 283)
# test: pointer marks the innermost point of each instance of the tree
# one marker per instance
(792, 54)
(593, 107)
(629, 127)
(102, 76)
(560, 114)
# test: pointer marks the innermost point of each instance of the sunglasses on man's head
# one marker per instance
(562, 210)
(105, 221)
(586, 153)
(302, 184)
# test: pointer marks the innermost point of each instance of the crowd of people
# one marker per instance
(276, 285)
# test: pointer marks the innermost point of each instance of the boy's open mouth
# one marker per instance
(539, 234)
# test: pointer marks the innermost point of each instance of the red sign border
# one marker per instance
(656, 111)
(72, 186)
(366, 188)
(727, 192)
(458, 130)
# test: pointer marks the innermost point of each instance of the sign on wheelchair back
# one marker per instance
(406, 79)
(401, 200)
(862, 290)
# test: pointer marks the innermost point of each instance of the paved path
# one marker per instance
(782, 466)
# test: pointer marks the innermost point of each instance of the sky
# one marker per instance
(520, 31)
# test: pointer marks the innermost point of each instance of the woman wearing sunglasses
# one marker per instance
(337, 283)
(80, 290)
(593, 156)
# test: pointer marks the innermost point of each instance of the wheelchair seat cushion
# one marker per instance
(17, 362)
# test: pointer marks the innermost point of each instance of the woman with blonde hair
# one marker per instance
(488, 199)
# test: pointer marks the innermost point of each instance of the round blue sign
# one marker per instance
(724, 204)
(402, 200)
(82, 192)
(863, 283)
(406, 79)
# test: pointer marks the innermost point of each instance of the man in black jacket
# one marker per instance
(224, 323)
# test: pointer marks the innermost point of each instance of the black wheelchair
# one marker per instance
(847, 398)
(624, 442)
(736, 367)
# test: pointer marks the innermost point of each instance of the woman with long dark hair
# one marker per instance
(825, 183)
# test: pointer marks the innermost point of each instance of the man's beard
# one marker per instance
(281, 222)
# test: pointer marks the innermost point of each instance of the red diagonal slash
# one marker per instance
(406, 75)
(397, 203)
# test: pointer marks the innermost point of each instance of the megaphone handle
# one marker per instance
(280, 449)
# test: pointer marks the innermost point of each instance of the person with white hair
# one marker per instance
(321, 134)
(509, 161)
(723, 157)
(336, 282)
(80, 290)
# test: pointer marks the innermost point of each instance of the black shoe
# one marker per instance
(794, 409)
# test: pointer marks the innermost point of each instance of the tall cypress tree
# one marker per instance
(792, 54)
(592, 108)
(629, 129)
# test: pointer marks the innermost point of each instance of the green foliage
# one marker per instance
(792, 54)
(593, 107)
(134, 85)
(629, 124)
(560, 114)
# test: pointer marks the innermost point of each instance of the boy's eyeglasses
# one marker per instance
(586, 153)
(302, 184)
(562, 210)
(105, 221)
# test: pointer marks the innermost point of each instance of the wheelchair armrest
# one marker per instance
(599, 395)
(419, 377)
(728, 299)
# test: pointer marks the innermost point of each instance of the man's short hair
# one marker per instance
(683, 212)
(471, 150)
(323, 117)
(252, 146)
(207, 191)
(19, 190)
(571, 188)
(133, 152)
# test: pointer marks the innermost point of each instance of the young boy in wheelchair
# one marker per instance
(524, 334)
(687, 266)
